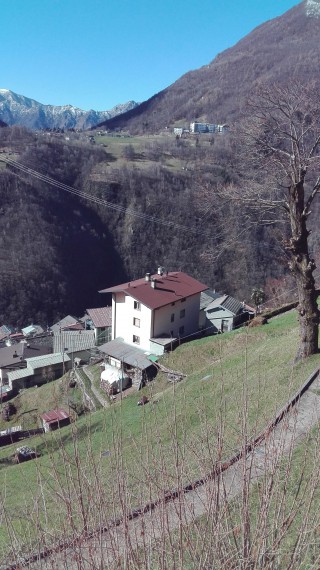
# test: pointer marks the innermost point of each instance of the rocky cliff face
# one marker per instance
(19, 110)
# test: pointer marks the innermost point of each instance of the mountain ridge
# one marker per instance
(280, 49)
(16, 109)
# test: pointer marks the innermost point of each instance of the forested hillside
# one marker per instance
(58, 250)
(163, 197)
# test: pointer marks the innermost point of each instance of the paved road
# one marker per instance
(97, 553)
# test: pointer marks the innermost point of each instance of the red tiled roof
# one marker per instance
(55, 416)
(101, 317)
(170, 287)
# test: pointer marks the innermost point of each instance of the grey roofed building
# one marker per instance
(66, 323)
(207, 297)
(130, 355)
(73, 341)
(32, 330)
(39, 370)
(228, 302)
(15, 356)
(220, 313)
(19, 373)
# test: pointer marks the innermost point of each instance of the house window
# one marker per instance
(182, 313)
(137, 305)
(181, 331)
(172, 317)
(136, 322)
(136, 339)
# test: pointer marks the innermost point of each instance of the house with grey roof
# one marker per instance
(39, 370)
(13, 357)
(221, 313)
(77, 344)
(67, 323)
(32, 330)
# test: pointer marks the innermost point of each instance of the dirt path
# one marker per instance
(103, 401)
(98, 552)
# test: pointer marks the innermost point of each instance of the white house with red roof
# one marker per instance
(153, 312)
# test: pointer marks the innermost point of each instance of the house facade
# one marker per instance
(153, 312)
(208, 128)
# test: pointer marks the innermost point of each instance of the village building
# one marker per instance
(151, 315)
(55, 419)
(151, 312)
(77, 344)
(32, 330)
(221, 313)
(39, 370)
(68, 323)
(100, 320)
(14, 357)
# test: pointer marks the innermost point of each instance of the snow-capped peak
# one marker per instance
(19, 110)
(313, 8)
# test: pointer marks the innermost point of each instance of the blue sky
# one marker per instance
(95, 54)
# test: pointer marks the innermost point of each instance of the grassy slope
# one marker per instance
(33, 402)
(164, 444)
(164, 145)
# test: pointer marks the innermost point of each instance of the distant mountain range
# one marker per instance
(277, 51)
(19, 110)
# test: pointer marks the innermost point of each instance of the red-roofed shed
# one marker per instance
(55, 419)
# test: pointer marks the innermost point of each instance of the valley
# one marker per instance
(215, 466)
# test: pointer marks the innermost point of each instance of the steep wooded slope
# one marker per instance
(277, 50)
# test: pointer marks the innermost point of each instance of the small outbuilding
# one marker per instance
(114, 380)
(55, 419)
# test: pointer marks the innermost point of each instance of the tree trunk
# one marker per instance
(302, 268)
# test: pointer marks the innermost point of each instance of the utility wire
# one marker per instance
(129, 211)
(96, 199)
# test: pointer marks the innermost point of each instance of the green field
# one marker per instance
(136, 452)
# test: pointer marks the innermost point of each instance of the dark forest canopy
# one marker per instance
(59, 250)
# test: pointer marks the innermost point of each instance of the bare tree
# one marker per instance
(281, 141)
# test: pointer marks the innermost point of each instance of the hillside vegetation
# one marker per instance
(59, 250)
(135, 452)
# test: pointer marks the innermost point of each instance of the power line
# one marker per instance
(219, 232)
(96, 199)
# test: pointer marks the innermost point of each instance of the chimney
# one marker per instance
(153, 283)
(160, 270)
(147, 277)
